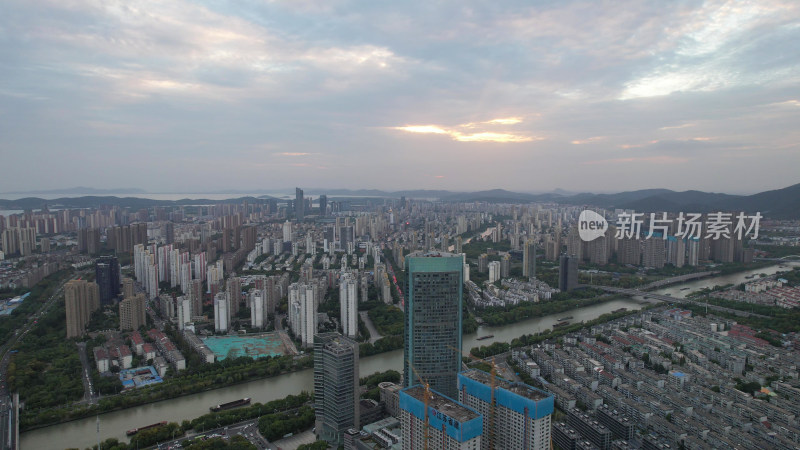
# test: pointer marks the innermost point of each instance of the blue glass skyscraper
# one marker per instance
(433, 320)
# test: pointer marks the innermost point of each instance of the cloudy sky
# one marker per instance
(531, 96)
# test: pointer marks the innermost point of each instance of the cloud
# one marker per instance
(587, 140)
(644, 159)
(714, 82)
(480, 136)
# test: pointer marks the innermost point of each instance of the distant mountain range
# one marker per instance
(81, 190)
(778, 204)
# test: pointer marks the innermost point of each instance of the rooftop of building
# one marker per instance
(520, 389)
(433, 254)
(443, 404)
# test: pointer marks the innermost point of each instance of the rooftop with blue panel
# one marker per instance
(461, 423)
(516, 396)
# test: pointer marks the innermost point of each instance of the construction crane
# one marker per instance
(493, 386)
(428, 396)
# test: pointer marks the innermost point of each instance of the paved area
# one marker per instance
(373, 332)
(292, 442)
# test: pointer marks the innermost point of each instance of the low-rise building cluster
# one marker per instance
(666, 378)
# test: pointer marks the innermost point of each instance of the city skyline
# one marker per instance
(197, 97)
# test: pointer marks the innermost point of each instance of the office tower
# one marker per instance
(529, 259)
(589, 428)
(336, 393)
(287, 231)
(494, 271)
(346, 236)
(299, 204)
(629, 251)
(348, 301)
(567, 273)
(521, 416)
(446, 423)
(653, 252)
(169, 233)
(323, 205)
(132, 312)
(432, 344)
(107, 278)
(221, 313)
(81, 299)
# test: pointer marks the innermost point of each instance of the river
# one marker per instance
(82, 433)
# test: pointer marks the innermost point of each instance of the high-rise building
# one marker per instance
(529, 259)
(234, 293)
(629, 251)
(323, 205)
(483, 263)
(128, 287)
(185, 311)
(433, 320)
(336, 393)
(567, 273)
(299, 204)
(81, 299)
(107, 278)
(552, 247)
(653, 252)
(221, 313)
(169, 233)
(446, 423)
(303, 312)
(287, 231)
(133, 312)
(598, 251)
(575, 244)
(692, 252)
(505, 266)
(676, 251)
(494, 271)
(521, 416)
(348, 301)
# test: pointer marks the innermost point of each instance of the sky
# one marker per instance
(597, 96)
